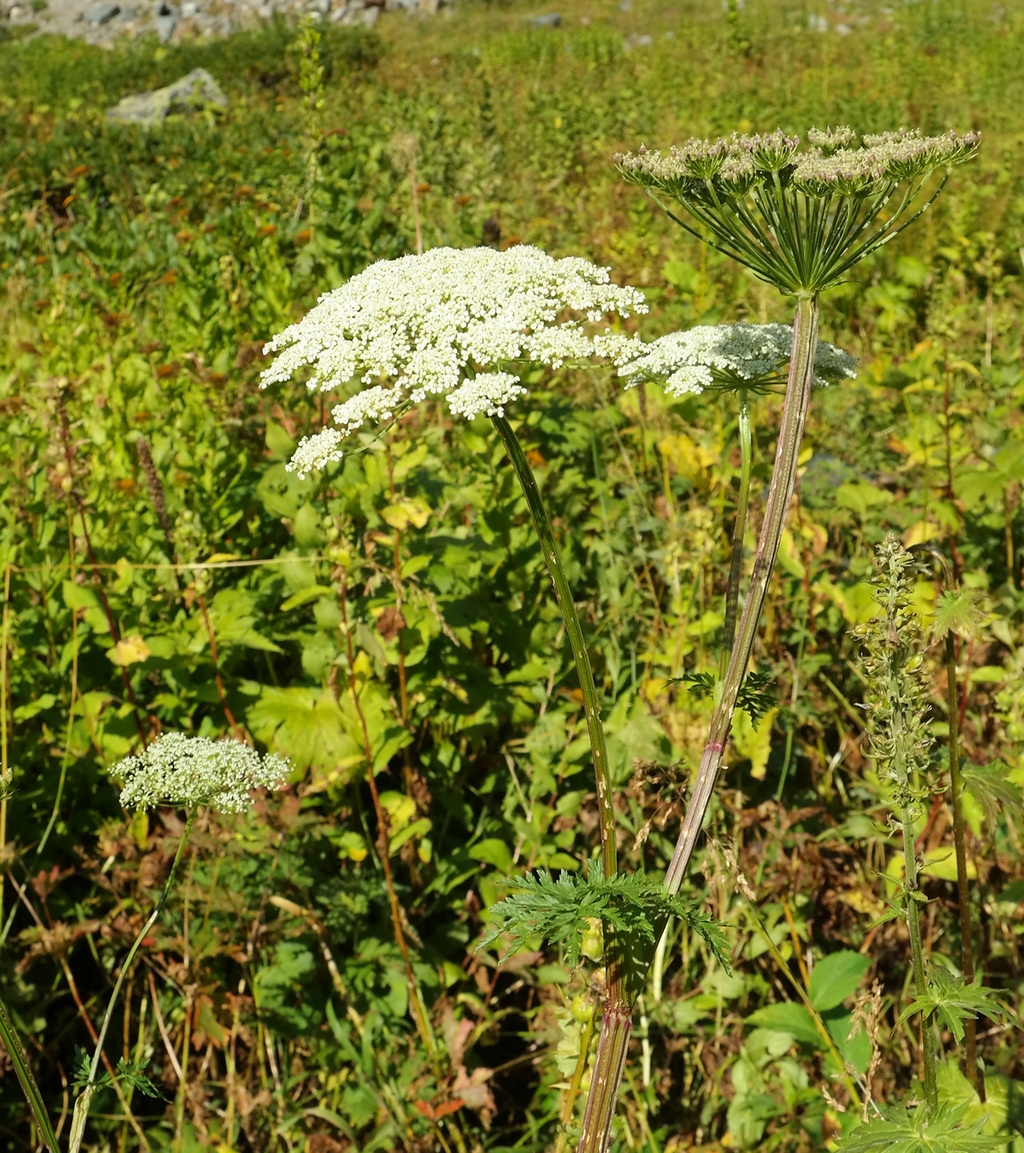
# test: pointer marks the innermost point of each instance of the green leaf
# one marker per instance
(853, 1047)
(860, 496)
(836, 977)
(560, 911)
(958, 612)
(993, 788)
(901, 1131)
(954, 1001)
(788, 1017)
(307, 725)
(493, 851)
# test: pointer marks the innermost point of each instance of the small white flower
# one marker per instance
(485, 395)
(730, 356)
(435, 324)
(185, 771)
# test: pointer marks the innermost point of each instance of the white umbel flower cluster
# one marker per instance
(730, 356)
(184, 771)
(435, 324)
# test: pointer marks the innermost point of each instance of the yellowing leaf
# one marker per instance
(405, 512)
(920, 532)
(754, 743)
(863, 901)
(690, 460)
(129, 651)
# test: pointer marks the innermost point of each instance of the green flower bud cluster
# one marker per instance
(801, 219)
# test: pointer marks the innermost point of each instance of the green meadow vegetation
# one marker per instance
(328, 972)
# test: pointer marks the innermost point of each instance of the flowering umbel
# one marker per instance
(447, 323)
(801, 219)
(731, 357)
(185, 771)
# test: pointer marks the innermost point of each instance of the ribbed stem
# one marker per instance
(913, 915)
(787, 454)
(963, 897)
(609, 1065)
(739, 529)
(563, 594)
(616, 1023)
(23, 1071)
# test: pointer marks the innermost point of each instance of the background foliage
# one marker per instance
(209, 590)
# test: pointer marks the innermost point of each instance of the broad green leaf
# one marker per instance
(855, 1049)
(789, 1017)
(493, 851)
(836, 977)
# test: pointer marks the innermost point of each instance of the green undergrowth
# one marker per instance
(216, 593)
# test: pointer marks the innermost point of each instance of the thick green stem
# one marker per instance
(616, 1024)
(609, 1065)
(739, 529)
(23, 1071)
(913, 914)
(963, 898)
(81, 1111)
(794, 414)
(563, 593)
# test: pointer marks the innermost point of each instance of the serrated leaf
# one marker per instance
(958, 612)
(560, 909)
(900, 1131)
(954, 1001)
(992, 787)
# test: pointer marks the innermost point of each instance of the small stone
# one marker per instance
(637, 40)
(320, 7)
(430, 7)
(625, 5)
(547, 20)
(265, 11)
(192, 93)
(102, 14)
(166, 21)
(189, 8)
(16, 12)
(368, 17)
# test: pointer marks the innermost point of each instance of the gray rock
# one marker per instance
(166, 21)
(194, 92)
(189, 9)
(430, 7)
(547, 20)
(320, 7)
(637, 40)
(101, 14)
(368, 17)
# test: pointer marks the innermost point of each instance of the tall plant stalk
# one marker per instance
(787, 455)
(567, 606)
(739, 530)
(617, 1015)
(81, 1110)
